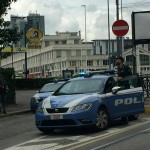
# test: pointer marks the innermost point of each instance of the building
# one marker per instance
(63, 51)
(33, 20)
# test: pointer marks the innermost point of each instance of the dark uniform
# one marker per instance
(123, 72)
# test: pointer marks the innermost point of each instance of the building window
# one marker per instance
(88, 52)
(76, 41)
(97, 62)
(78, 53)
(100, 49)
(64, 42)
(105, 62)
(73, 63)
(148, 47)
(90, 63)
(144, 60)
(68, 53)
(58, 53)
(46, 43)
(56, 42)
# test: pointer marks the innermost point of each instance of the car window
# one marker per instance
(50, 87)
(81, 86)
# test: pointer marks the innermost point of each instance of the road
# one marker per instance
(19, 133)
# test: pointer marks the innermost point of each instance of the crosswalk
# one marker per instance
(48, 142)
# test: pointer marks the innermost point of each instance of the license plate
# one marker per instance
(56, 116)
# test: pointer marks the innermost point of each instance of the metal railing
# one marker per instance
(146, 84)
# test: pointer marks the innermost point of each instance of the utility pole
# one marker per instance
(117, 17)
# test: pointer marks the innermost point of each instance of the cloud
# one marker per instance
(69, 15)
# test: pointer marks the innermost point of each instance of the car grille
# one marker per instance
(58, 122)
(57, 110)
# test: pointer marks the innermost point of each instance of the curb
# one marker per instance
(15, 113)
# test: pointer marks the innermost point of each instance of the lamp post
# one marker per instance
(109, 36)
(85, 35)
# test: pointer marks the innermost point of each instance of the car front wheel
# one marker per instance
(102, 120)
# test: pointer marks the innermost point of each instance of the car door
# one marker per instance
(128, 100)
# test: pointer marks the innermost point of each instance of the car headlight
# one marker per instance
(82, 107)
(39, 109)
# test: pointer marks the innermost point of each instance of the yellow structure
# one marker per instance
(9, 49)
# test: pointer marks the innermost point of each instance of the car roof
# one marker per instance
(55, 82)
(92, 77)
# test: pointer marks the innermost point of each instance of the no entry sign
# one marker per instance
(120, 28)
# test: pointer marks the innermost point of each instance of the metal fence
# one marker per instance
(146, 84)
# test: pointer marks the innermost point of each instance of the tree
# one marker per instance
(8, 36)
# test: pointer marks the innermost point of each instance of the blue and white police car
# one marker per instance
(44, 92)
(91, 100)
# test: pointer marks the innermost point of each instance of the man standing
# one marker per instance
(122, 71)
(3, 90)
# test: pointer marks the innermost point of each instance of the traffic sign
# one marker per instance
(34, 35)
(120, 27)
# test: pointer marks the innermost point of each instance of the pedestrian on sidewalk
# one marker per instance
(3, 91)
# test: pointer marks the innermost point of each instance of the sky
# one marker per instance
(70, 15)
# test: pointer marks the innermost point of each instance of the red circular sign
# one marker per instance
(120, 28)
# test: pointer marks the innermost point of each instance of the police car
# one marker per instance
(44, 92)
(92, 100)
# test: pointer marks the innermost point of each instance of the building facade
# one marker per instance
(63, 51)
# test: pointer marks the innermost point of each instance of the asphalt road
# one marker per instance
(19, 133)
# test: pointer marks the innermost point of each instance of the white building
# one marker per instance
(59, 52)
(65, 51)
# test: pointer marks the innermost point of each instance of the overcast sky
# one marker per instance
(69, 15)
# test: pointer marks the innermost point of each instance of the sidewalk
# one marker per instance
(23, 103)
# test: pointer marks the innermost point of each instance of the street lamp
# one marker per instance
(109, 36)
(85, 33)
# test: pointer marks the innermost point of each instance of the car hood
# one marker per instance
(68, 100)
(42, 95)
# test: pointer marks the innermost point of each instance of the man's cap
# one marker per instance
(119, 57)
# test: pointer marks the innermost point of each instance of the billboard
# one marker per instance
(141, 27)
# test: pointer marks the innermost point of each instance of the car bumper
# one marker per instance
(78, 119)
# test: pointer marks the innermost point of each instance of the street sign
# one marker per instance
(120, 28)
(34, 35)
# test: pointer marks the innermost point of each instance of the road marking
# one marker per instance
(119, 140)
(53, 143)
(105, 136)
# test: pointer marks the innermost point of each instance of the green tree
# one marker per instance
(8, 36)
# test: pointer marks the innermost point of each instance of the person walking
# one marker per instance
(3, 91)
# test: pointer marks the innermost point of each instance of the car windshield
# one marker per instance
(81, 87)
(50, 87)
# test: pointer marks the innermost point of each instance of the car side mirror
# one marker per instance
(115, 89)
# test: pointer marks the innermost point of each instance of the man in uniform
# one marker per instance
(122, 72)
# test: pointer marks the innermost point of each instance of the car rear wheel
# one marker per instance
(46, 131)
(102, 120)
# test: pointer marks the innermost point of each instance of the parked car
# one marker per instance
(44, 92)
(93, 100)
